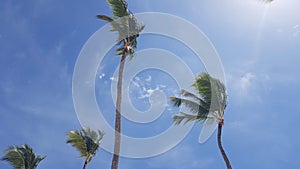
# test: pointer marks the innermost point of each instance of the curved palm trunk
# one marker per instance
(85, 164)
(220, 125)
(117, 145)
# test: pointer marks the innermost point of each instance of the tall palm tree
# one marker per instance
(128, 28)
(22, 157)
(86, 141)
(209, 102)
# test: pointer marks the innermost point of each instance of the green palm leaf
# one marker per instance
(118, 7)
(184, 118)
(192, 96)
(212, 99)
(76, 140)
(22, 157)
(212, 91)
(106, 18)
(194, 107)
(124, 22)
(203, 87)
(86, 141)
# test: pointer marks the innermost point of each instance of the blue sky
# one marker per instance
(258, 45)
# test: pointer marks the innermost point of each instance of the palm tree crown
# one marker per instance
(209, 102)
(127, 26)
(22, 157)
(86, 141)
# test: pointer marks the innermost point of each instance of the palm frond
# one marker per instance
(125, 23)
(194, 107)
(185, 118)
(92, 140)
(22, 157)
(212, 98)
(203, 87)
(212, 91)
(14, 157)
(118, 7)
(31, 159)
(104, 17)
(128, 28)
(86, 141)
(76, 140)
(190, 95)
(219, 96)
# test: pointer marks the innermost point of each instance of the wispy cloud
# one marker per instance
(146, 93)
(245, 82)
(102, 75)
(113, 78)
(241, 85)
(296, 30)
(144, 88)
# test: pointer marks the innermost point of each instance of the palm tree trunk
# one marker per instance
(220, 125)
(85, 163)
(117, 145)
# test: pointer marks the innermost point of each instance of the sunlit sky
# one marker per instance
(258, 45)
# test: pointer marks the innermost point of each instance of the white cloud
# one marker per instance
(113, 78)
(146, 93)
(150, 91)
(246, 81)
(244, 86)
(102, 75)
(142, 86)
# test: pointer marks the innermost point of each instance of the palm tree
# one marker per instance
(128, 28)
(209, 102)
(22, 157)
(86, 141)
